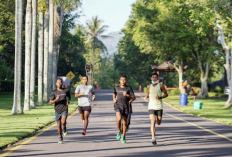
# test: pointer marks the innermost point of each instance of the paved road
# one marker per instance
(179, 135)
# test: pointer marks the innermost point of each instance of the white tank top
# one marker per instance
(153, 103)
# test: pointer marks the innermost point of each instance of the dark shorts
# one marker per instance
(156, 112)
(81, 109)
(59, 115)
(124, 110)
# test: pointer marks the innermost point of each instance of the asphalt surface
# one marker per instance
(179, 134)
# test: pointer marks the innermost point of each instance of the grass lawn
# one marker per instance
(211, 109)
(15, 127)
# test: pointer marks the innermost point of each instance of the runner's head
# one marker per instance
(154, 77)
(123, 80)
(59, 83)
(84, 80)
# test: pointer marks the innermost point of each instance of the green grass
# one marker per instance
(15, 127)
(211, 109)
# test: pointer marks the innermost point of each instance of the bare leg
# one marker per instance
(124, 120)
(63, 122)
(159, 119)
(118, 116)
(59, 128)
(152, 118)
(82, 117)
(86, 119)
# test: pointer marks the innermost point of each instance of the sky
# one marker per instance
(114, 13)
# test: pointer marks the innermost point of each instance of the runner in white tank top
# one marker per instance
(155, 105)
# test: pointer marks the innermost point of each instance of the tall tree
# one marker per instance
(33, 53)
(41, 10)
(94, 30)
(46, 56)
(224, 23)
(51, 42)
(28, 26)
(17, 104)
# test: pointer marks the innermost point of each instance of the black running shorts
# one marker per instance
(156, 112)
(81, 109)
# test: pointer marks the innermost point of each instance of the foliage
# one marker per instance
(72, 48)
(174, 92)
(218, 94)
(145, 90)
(5, 71)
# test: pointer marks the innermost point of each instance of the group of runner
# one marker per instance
(123, 96)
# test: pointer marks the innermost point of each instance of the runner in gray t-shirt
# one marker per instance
(85, 94)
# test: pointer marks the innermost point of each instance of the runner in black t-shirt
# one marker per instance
(122, 97)
(58, 97)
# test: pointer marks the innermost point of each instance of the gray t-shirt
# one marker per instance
(84, 100)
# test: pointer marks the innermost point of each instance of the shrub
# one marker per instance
(145, 90)
(217, 89)
(216, 94)
(8, 86)
(174, 92)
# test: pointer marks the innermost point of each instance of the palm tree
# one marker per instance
(41, 9)
(51, 42)
(28, 25)
(94, 31)
(33, 54)
(17, 105)
(46, 45)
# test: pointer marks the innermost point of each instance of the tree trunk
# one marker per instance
(50, 51)
(93, 62)
(33, 54)
(27, 55)
(227, 65)
(17, 104)
(40, 59)
(204, 88)
(46, 45)
(55, 48)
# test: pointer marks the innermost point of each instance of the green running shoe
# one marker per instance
(123, 140)
(119, 135)
(60, 140)
(65, 133)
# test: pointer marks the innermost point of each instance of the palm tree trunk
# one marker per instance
(17, 104)
(50, 51)
(46, 45)
(33, 54)
(27, 55)
(93, 60)
(55, 47)
(40, 59)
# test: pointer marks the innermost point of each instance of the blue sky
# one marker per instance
(114, 13)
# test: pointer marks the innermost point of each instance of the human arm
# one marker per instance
(148, 89)
(53, 99)
(77, 92)
(115, 96)
(164, 91)
(69, 97)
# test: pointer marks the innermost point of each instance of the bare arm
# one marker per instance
(148, 89)
(164, 91)
(78, 95)
(114, 98)
(53, 101)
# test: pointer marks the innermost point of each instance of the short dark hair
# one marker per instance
(60, 80)
(86, 77)
(123, 76)
(154, 73)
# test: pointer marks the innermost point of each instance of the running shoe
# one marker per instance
(119, 135)
(123, 140)
(60, 140)
(65, 133)
(84, 132)
(153, 141)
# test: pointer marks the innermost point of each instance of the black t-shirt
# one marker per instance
(60, 105)
(121, 99)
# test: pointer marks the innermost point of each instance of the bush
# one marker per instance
(145, 90)
(217, 89)
(216, 94)
(174, 92)
(8, 86)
